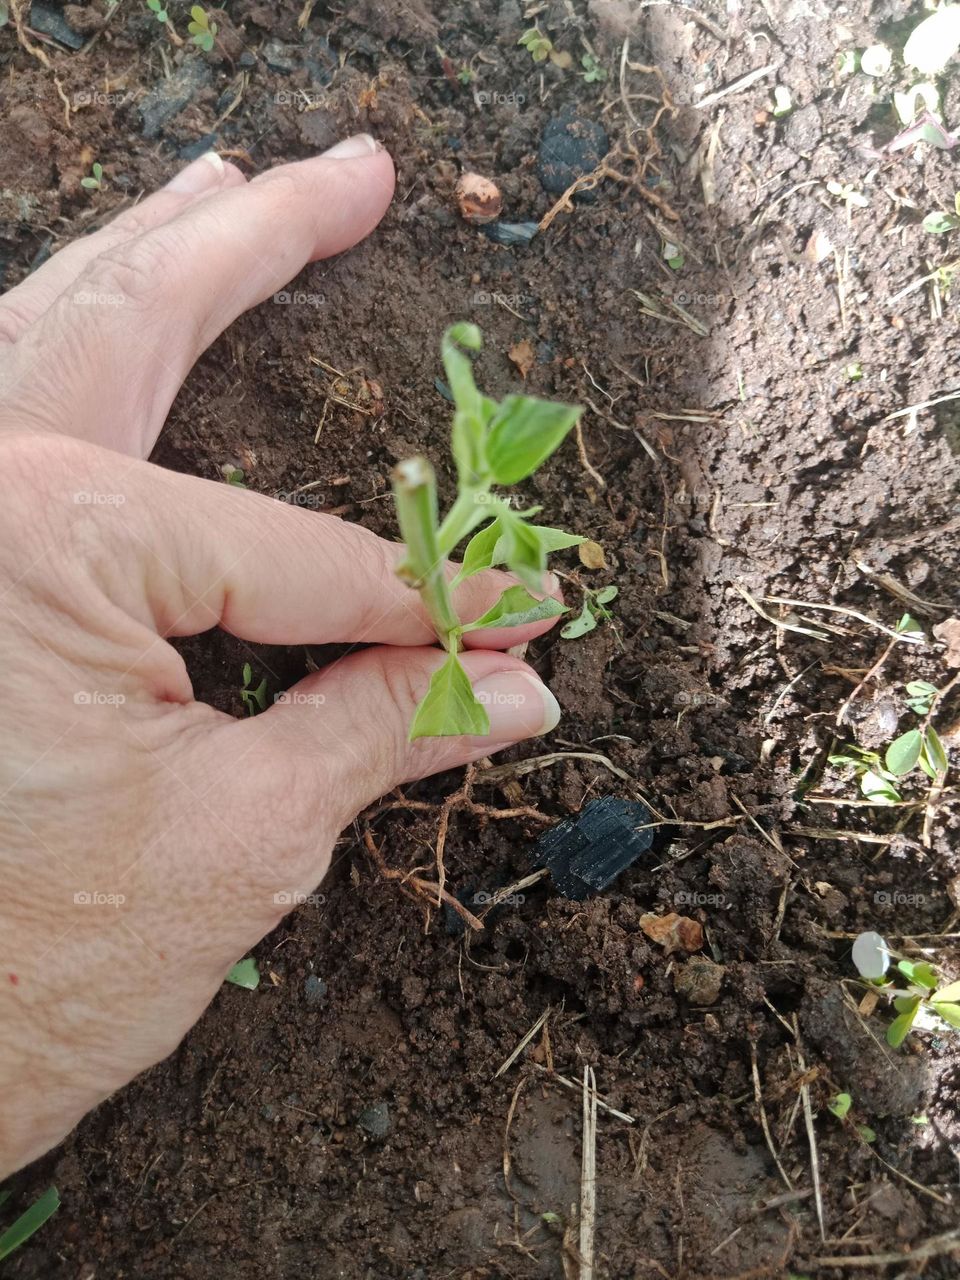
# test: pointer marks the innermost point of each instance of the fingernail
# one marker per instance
(361, 144)
(519, 705)
(202, 175)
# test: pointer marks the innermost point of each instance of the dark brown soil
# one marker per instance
(258, 1150)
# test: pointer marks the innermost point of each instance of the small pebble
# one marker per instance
(314, 988)
(569, 148)
(699, 980)
(375, 1119)
(478, 198)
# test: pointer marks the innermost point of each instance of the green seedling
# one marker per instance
(854, 371)
(94, 182)
(593, 72)
(159, 12)
(255, 700)
(540, 47)
(920, 999)
(492, 444)
(203, 30)
(30, 1220)
(876, 60)
(939, 223)
(876, 782)
(592, 613)
(840, 1105)
(672, 255)
(245, 973)
(233, 475)
(847, 192)
(922, 694)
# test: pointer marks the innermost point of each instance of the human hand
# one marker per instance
(148, 840)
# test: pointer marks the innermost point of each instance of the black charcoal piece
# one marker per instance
(587, 853)
(511, 233)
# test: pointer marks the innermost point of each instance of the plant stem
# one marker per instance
(415, 494)
(462, 518)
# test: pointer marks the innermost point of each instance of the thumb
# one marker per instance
(352, 720)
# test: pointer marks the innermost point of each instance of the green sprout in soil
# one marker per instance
(95, 182)
(854, 371)
(492, 444)
(939, 223)
(245, 973)
(540, 47)
(917, 994)
(255, 700)
(840, 1105)
(593, 612)
(30, 1220)
(203, 30)
(782, 102)
(233, 475)
(159, 12)
(593, 72)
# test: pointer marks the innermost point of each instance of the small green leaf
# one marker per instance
(30, 1220)
(934, 750)
(900, 1026)
(938, 224)
(866, 1133)
(580, 625)
(524, 433)
(516, 608)
(909, 626)
(247, 674)
(523, 551)
(949, 994)
(904, 752)
(840, 1105)
(950, 1013)
(450, 706)
(479, 553)
(458, 367)
(245, 973)
(878, 789)
(606, 594)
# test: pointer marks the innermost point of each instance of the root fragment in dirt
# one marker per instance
(588, 1175)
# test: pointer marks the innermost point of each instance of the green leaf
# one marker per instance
(904, 752)
(523, 551)
(900, 1026)
(950, 1013)
(198, 14)
(876, 60)
(524, 433)
(516, 608)
(866, 1133)
(30, 1220)
(878, 789)
(247, 674)
(949, 994)
(480, 551)
(938, 224)
(450, 706)
(580, 625)
(606, 594)
(909, 626)
(934, 751)
(245, 973)
(840, 1105)
(920, 972)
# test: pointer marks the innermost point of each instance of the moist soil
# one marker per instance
(350, 1117)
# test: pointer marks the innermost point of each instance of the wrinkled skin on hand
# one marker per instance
(148, 841)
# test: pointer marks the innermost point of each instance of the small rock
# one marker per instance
(49, 21)
(803, 129)
(569, 148)
(478, 198)
(281, 57)
(673, 932)
(314, 988)
(375, 1119)
(168, 98)
(511, 233)
(699, 980)
(320, 61)
(948, 633)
